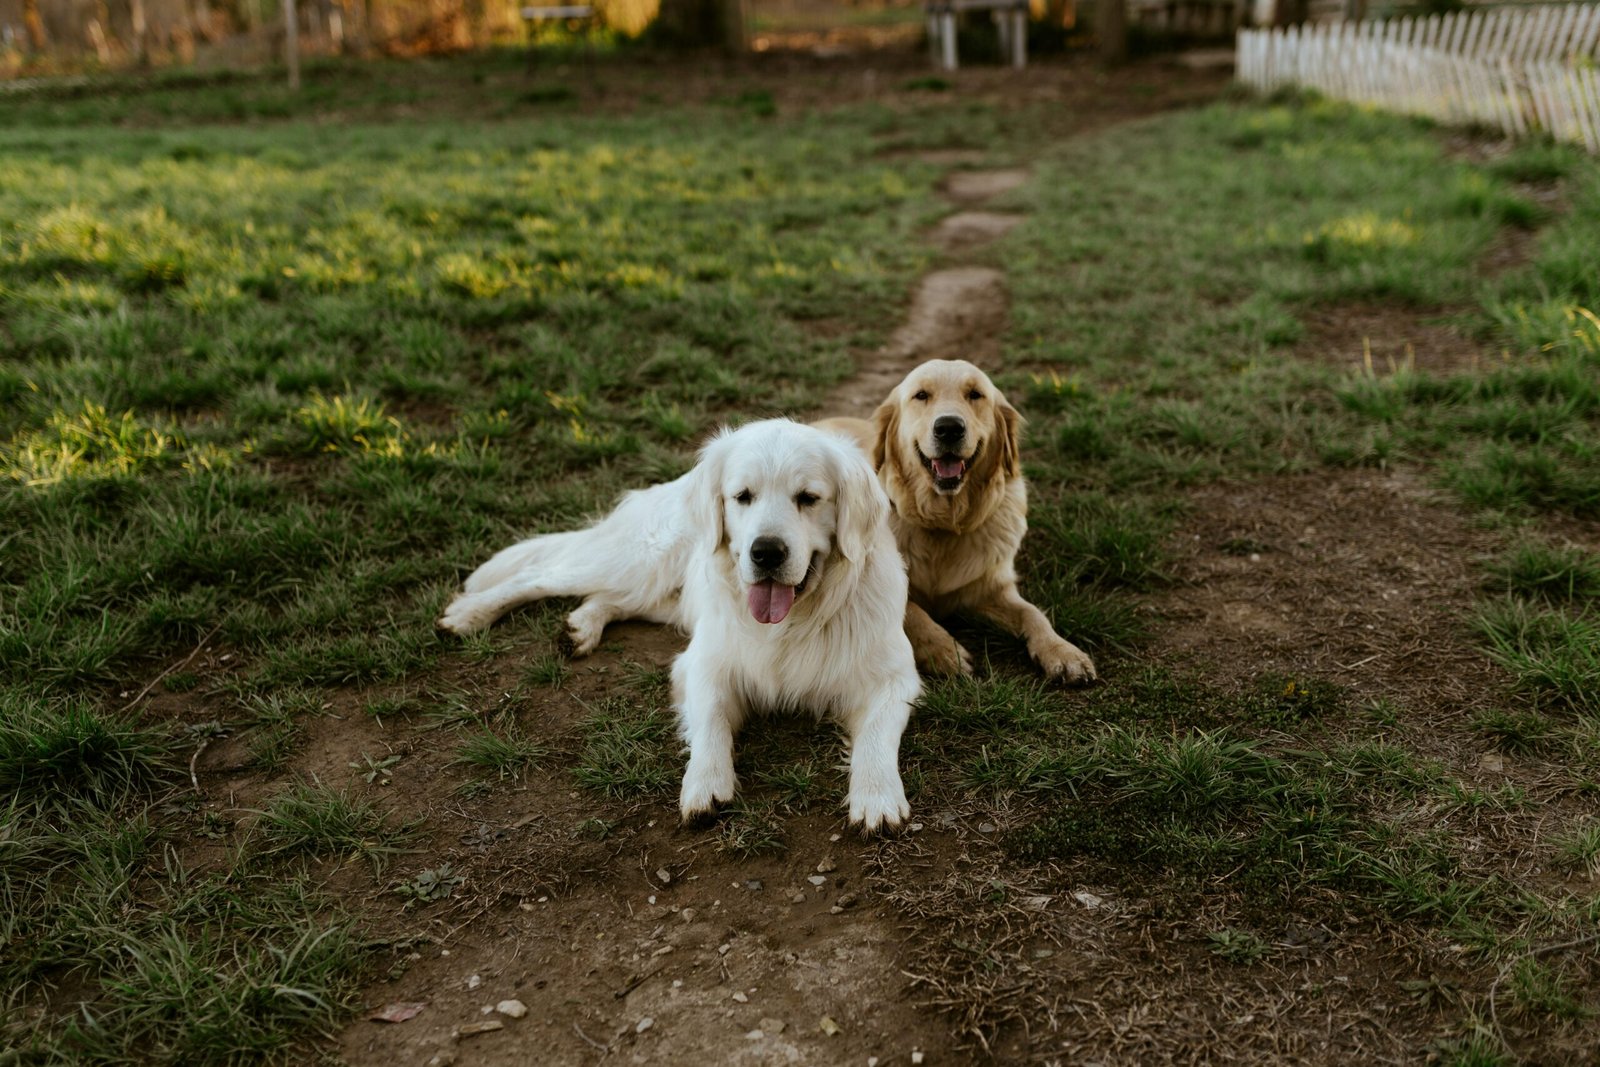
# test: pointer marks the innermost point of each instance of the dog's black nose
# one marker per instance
(949, 428)
(768, 553)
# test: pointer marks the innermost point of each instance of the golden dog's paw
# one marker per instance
(945, 657)
(1067, 662)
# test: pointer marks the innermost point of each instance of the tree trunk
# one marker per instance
(35, 25)
(139, 28)
(1111, 30)
(715, 23)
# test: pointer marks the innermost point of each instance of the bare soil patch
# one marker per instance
(1359, 577)
(968, 186)
(955, 314)
(599, 914)
(966, 230)
(1388, 337)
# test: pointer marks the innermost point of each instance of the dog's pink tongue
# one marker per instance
(949, 468)
(770, 601)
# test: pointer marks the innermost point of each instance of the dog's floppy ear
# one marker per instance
(705, 493)
(886, 431)
(1010, 438)
(861, 505)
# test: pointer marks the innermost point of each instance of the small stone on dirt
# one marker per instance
(987, 828)
(514, 1008)
(817, 879)
(828, 1026)
(848, 900)
(835, 837)
(798, 898)
(754, 1035)
(398, 1012)
(836, 910)
(723, 950)
(644, 1024)
(442, 1059)
(488, 1026)
(827, 865)
(474, 981)
(754, 885)
(663, 876)
(772, 1026)
(916, 1056)
(687, 915)
(741, 996)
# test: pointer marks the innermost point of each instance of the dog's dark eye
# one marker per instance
(805, 500)
(973, 394)
(744, 496)
(920, 394)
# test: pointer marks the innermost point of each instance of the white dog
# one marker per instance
(775, 554)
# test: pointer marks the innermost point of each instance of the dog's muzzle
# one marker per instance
(768, 598)
(948, 468)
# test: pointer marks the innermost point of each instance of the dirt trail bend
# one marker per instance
(957, 312)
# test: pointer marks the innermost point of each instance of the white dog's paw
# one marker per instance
(946, 657)
(876, 810)
(463, 616)
(1066, 661)
(703, 789)
(583, 631)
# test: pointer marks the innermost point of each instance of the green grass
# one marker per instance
(63, 753)
(314, 820)
(272, 385)
(505, 756)
(1552, 652)
(627, 751)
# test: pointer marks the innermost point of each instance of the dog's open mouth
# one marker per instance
(948, 470)
(770, 600)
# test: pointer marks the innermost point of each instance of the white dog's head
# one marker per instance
(793, 509)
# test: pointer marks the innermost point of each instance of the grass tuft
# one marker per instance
(58, 753)
(505, 756)
(627, 751)
(312, 819)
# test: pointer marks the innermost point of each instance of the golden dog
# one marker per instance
(945, 446)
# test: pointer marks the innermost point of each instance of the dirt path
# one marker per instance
(723, 960)
(957, 312)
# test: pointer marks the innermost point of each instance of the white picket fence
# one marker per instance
(1517, 70)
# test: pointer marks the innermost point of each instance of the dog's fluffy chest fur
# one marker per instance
(851, 629)
(945, 567)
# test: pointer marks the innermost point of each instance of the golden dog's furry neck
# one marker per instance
(916, 500)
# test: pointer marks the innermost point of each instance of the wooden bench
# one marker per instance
(1010, 16)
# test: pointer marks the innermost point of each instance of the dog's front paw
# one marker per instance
(703, 789)
(1066, 661)
(946, 657)
(462, 617)
(879, 810)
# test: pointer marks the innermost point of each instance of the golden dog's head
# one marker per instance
(945, 428)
